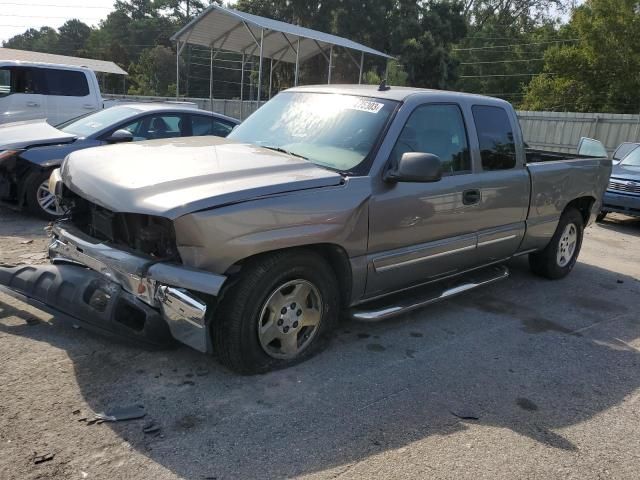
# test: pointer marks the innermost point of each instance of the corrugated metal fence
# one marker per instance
(561, 131)
(557, 131)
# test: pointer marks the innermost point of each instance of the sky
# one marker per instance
(16, 16)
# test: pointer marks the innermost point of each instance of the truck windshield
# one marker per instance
(632, 160)
(331, 130)
(95, 122)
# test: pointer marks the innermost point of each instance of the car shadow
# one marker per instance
(621, 224)
(528, 355)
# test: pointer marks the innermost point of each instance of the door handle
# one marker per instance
(88, 106)
(33, 104)
(471, 197)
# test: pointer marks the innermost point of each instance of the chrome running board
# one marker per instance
(419, 297)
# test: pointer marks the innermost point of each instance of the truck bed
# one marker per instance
(540, 156)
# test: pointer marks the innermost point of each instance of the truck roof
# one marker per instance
(24, 63)
(393, 93)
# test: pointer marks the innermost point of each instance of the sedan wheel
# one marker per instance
(47, 200)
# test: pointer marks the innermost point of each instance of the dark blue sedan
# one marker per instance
(30, 150)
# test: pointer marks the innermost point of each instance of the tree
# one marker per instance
(599, 70)
(154, 74)
(72, 37)
(43, 40)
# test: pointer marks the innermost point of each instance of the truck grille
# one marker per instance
(624, 186)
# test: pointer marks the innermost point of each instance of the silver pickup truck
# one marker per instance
(356, 199)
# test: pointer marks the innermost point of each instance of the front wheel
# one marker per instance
(276, 313)
(601, 216)
(40, 201)
(561, 254)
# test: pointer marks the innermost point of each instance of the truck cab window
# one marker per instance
(438, 129)
(5, 81)
(20, 80)
(66, 83)
(495, 135)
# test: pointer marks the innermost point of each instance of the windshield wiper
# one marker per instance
(282, 150)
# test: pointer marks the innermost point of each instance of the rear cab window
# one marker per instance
(495, 136)
(66, 83)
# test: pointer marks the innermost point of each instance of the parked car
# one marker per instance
(623, 192)
(30, 91)
(623, 150)
(29, 151)
(373, 201)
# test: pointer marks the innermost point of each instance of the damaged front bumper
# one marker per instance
(116, 291)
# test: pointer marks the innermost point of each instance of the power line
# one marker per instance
(513, 45)
(503, 61)
(508, 75)
(55, 5)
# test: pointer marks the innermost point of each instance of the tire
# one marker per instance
(263, 303)
(36, 199)
(560, 255)
(601, 216)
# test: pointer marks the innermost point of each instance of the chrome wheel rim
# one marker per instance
(47, 200)
(567, 246)
(290, 319)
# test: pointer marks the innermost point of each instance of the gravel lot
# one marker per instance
(545, 376)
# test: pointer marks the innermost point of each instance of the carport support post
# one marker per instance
(330, 64)
(297, 63)
(178, 70)
(270, 77)
(211, 82)
(242, 89)
(361, 68)
(260, 66)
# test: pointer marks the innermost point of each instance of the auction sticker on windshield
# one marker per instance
(366, 106)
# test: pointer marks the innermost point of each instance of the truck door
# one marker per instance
(502, 182)
(21, 94)
(68, 95)
(423, 231)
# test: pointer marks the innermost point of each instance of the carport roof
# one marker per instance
(227, 29)
(103, 66)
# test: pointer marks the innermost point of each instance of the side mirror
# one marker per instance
(416, 167)
(120, 136)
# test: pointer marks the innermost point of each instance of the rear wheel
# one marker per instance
(561, 255)
(277, 313)
(40, 201)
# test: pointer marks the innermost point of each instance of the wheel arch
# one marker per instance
(583, 205)
(335, 256)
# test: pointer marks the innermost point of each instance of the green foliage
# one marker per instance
(600, 70)
(395, 76)
(514, 49)
(154, 74)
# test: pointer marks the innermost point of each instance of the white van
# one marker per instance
(58, 93)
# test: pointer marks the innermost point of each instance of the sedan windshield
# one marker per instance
(95, 122)
(335, 131)
(632, 160)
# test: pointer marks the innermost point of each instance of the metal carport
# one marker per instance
(219, 28)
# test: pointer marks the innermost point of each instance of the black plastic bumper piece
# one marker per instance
(88, 299)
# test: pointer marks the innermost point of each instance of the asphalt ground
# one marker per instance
(526, 378)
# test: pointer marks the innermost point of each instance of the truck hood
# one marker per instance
(20, 135)
(171, 178)
(626, 172)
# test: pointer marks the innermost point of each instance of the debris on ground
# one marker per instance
(151, 427)
(37, 459)
(464, 415)
(117, 414)
(26, 242)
